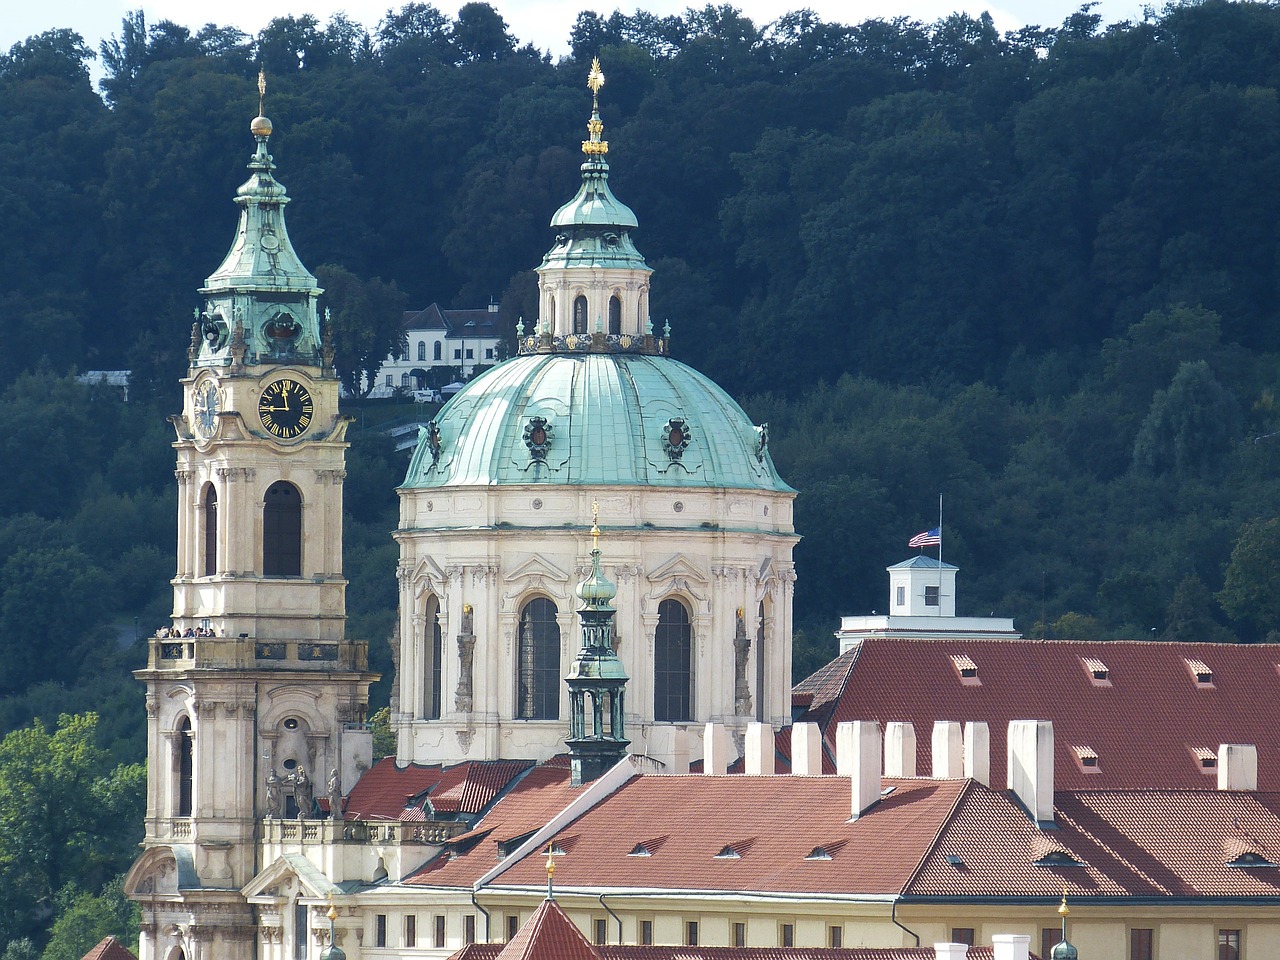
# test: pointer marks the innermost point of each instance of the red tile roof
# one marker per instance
(549, 935)
(1146, 843)
(773, 823)
(388, 792)
(1145, 722)
(109, 948)
(528, 805)
(490, 951)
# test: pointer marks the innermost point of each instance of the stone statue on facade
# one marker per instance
(335, 795)
(275, 797)
(466, 662)
(302, 792)
(741, 648)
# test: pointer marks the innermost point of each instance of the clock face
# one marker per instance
(206, 409)
(284, 408)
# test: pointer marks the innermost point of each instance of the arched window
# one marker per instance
(673, 663)
(580, 315)
(615, 314)
(538, 662)
(435, 351)
(422, 350)
(433, 648)
(186, 756)
(282, 531)
(210, 566)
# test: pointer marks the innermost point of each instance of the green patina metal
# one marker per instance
(260, 304)
(607, 419)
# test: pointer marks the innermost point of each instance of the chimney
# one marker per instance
(1031, 766)
(899, 750)
(806, 750)
(1011, 946)
(1237, 766)
(715, 750)
(950, 951)
(948, 750)
(977, 752)
(858, 757)
(680, 750)
(758, 760)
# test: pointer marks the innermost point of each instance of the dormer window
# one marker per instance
(1201, 671)
(728, 853)
(1087, 758)
(1099, 675)
(1206, 759)
(818, 853)
(966, 668)
(640, 850)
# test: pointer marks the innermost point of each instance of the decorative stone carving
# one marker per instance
(741, 648)
(466, 663)
(465, 736)
(302, 791)
(335, 795)
(275, 796)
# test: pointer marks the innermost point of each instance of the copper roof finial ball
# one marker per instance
(260, 125)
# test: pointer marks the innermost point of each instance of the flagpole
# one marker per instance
(939, 554)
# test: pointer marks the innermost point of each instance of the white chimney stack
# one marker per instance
(1031, 766)
(948, 750)
(680, 750)
(806, 750)
(950, 951)
(899, 749)
(1237, 766)
(977, 752)
(715, 750)
(758, 759)
(858, 753)
(1011, 946)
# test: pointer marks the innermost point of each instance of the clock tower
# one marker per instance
(257, 698)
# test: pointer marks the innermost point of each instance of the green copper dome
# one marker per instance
(594, 419)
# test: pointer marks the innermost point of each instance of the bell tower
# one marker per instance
(254, 696)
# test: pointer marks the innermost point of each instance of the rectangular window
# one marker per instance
(1049, 937)
(389, 383)
(788, 935)
(457, 354)
(931, 600)
(513, 926)
(962, 935)
(739, 934)
(469, 928)
(900, 597)
(646, 933)
(1140, 945)
(300, 931)
(835, 937)
(410, 931)
(691, 933)
(404, 379)
(1228, 945)
(439, 930)
(601, 930)
(488, 353)
(470, 354)
(380, 930)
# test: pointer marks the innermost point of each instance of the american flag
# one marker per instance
(930, 538)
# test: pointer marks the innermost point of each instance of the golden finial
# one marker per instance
(551, 869)
(333, 911)
(595, 524)
(261, 126)
(1062, 908)
(595, 146)
(595, 79)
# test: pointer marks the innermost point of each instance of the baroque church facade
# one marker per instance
(256, 712)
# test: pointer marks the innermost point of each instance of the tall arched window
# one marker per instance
(210, 566)
(580, 315)
(673, 663)
(538, 662)
(435, 350)
(282, 531)
(422, 350)
(186, 757)
(615, 314)
(433, 648)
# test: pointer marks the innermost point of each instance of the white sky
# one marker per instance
(545, 23)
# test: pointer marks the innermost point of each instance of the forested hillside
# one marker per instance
(1036, 273)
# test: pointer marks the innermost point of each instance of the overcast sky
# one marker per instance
(545, 23)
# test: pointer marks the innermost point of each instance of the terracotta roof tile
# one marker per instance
(109, 948)
(385, 791)
(549, 935)
(491, 951)
(788, 817)
(1144, 722)
(1145, 843)
(530, 803)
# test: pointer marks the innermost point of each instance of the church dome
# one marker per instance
(594, 419)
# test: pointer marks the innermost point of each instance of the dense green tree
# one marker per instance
(1251, 592)
(84, 919)
(1191, 426)
(365, 323)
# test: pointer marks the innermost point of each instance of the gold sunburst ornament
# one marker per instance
(261, 126)
(595, 147)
